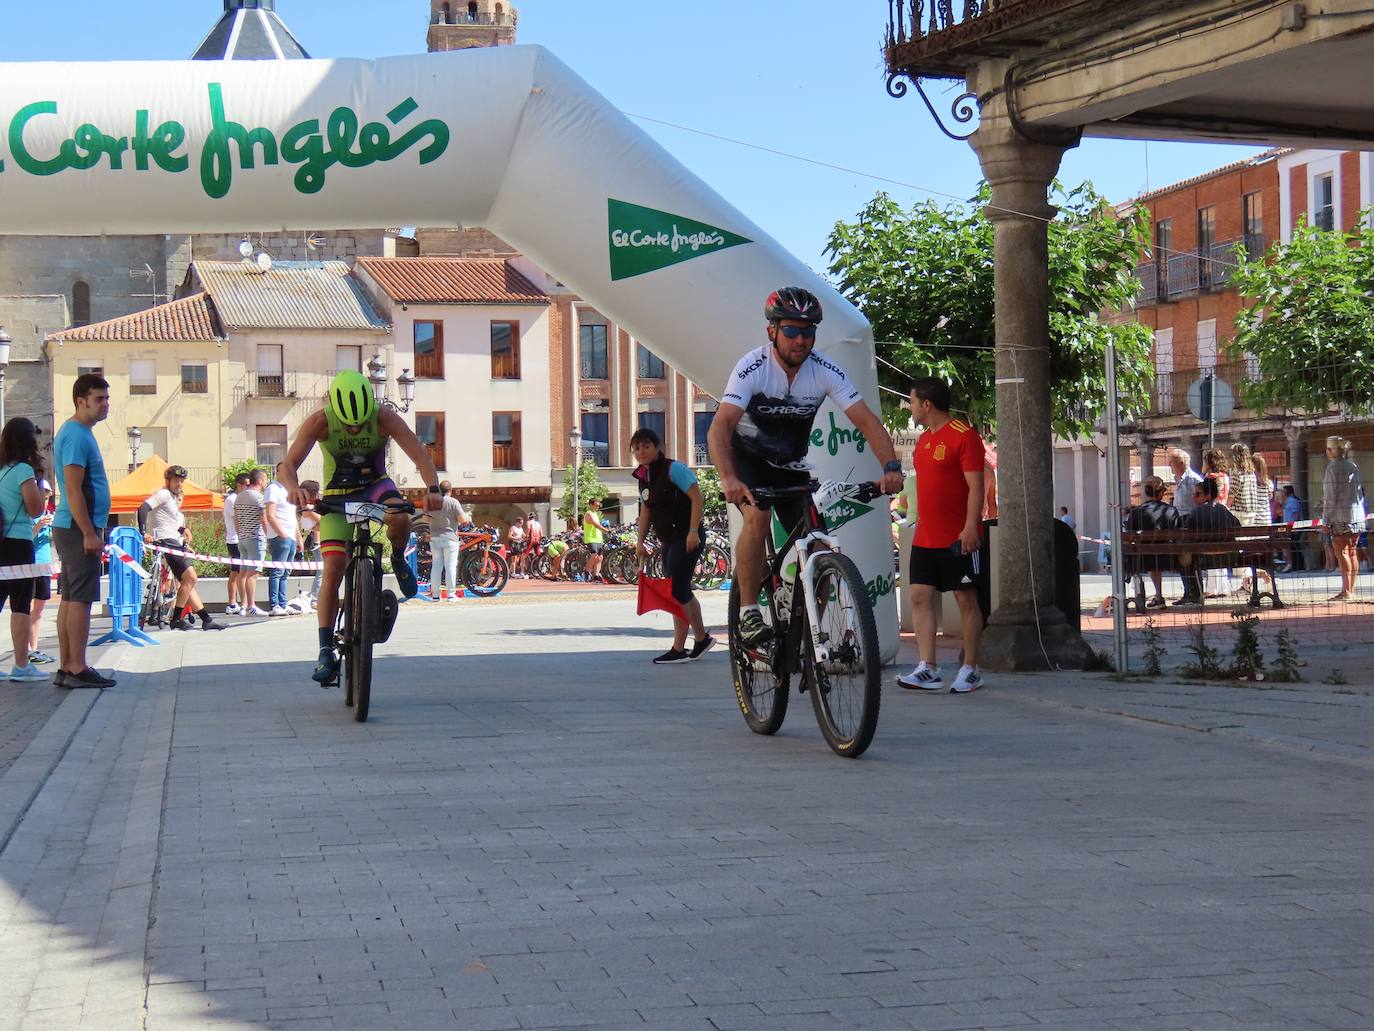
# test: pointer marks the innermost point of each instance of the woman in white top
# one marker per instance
(231, 543)
(1343, 512)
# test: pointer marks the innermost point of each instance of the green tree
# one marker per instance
(713, 499)
(589, 486)
(924, 278)
(229, 473)
(1310, 323)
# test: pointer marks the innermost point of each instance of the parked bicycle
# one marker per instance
(368, 613)
(829, 635)
(159, 593)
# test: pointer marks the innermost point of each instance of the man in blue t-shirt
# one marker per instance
(79, 529)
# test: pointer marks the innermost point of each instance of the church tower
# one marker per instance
(462, 24)
(249, 31)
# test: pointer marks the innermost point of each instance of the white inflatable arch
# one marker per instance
(505, 138)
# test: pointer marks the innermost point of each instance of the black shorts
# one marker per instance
(42, 588)
(176, 563)
(755, 472)
(19, 593)
(233, 553)
(945, 569)
(680, 564)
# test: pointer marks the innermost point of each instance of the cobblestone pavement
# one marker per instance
(538, 829)
(24, 708)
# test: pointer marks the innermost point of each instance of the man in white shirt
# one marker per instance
(280, 526)
(231, 542)
(1185, 481)
(160, 520)
(444, 544)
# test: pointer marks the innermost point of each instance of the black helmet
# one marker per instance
(792, 302)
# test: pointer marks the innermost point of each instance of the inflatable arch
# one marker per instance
(505, 138)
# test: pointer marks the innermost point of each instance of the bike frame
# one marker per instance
(799, 547)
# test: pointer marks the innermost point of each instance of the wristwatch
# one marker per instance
(894, 466)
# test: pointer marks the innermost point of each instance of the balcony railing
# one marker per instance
(909, 20)
(597, 454)
(467, 18)
(702, 454)
(271, 385)
(1184, 275)
(1171, 389)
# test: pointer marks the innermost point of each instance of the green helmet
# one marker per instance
(350, 398)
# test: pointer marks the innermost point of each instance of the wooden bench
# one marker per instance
(1254, 546)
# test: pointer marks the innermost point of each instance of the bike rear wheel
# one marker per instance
(762, 694)
(713, 568)
(485, 573)
(363, 603)
(846, 689)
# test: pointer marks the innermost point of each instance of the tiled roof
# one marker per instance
(292, 295)
(249, 34)
(191, 318)
(1251, 162)
(452, 281)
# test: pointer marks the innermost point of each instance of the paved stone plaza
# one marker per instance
(538, 829)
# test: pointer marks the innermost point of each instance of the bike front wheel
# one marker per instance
(761, 693)
(363, 604)
(846, 688)
(485, 573)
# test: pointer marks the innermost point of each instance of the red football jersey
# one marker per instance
(942, 458)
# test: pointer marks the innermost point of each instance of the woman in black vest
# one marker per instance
(670, 501)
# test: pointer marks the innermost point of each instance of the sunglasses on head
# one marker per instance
(793, 332)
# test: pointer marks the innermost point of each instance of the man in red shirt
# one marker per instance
(944, 553)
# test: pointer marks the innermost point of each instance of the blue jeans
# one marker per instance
(279, 549)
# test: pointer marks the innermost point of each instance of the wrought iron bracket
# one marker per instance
(962, 110)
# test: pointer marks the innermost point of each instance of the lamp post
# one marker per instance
(135, 439)
(5, 341)
(575, 439)
(376, 374)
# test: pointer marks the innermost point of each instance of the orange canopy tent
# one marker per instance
(134, 489)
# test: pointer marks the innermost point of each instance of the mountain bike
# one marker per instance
(481, 566)
(159, 594)
(830, 638)
(368, 612)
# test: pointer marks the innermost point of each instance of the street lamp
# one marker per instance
(135, 439)
(376, 374)
(5, 341)
(575, 439)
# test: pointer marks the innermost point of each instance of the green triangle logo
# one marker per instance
(645, 240)
(846, 510)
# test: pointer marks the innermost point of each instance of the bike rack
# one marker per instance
(126, 592)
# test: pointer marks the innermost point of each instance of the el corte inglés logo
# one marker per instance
(313, 147)
(645, 240)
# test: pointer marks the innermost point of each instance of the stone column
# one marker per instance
(1297, 460)
(1147, 458)
(1026, 631)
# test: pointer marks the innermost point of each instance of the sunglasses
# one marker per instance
(793, 332)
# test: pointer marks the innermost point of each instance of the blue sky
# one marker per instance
(801, 76)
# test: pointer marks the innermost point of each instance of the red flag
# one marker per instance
(657, 596)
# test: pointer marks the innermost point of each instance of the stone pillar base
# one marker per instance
(1017, 648)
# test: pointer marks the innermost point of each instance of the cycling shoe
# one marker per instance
(391, 608)
(327, 670)
(405, 578)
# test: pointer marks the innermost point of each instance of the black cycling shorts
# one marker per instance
(178, 564)
(680, 564)
(945, 569)
(756, 472)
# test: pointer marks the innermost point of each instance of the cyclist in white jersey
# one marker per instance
(761, 433)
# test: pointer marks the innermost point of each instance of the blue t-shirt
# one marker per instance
(42, 542)
(75, 445)
(682, 477)
(18, 523)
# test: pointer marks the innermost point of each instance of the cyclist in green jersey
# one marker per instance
(353, 431)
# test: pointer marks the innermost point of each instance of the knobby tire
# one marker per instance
(762, 696)
(847, 691)
(365, 604)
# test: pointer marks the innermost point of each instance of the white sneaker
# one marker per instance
(233, 610)
(924, 678)
(278, 610)
(253, 610)
(969, 679)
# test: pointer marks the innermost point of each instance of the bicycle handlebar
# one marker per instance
(327, 506)
(771, 495)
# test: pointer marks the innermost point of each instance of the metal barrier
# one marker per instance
(126, 591)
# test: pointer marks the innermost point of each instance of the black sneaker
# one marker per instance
(700, 648)
(405, 579)
(752, 629)
(327, 669)
(88, 678)
(672, 655)
(177, 623)
(206, 623)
